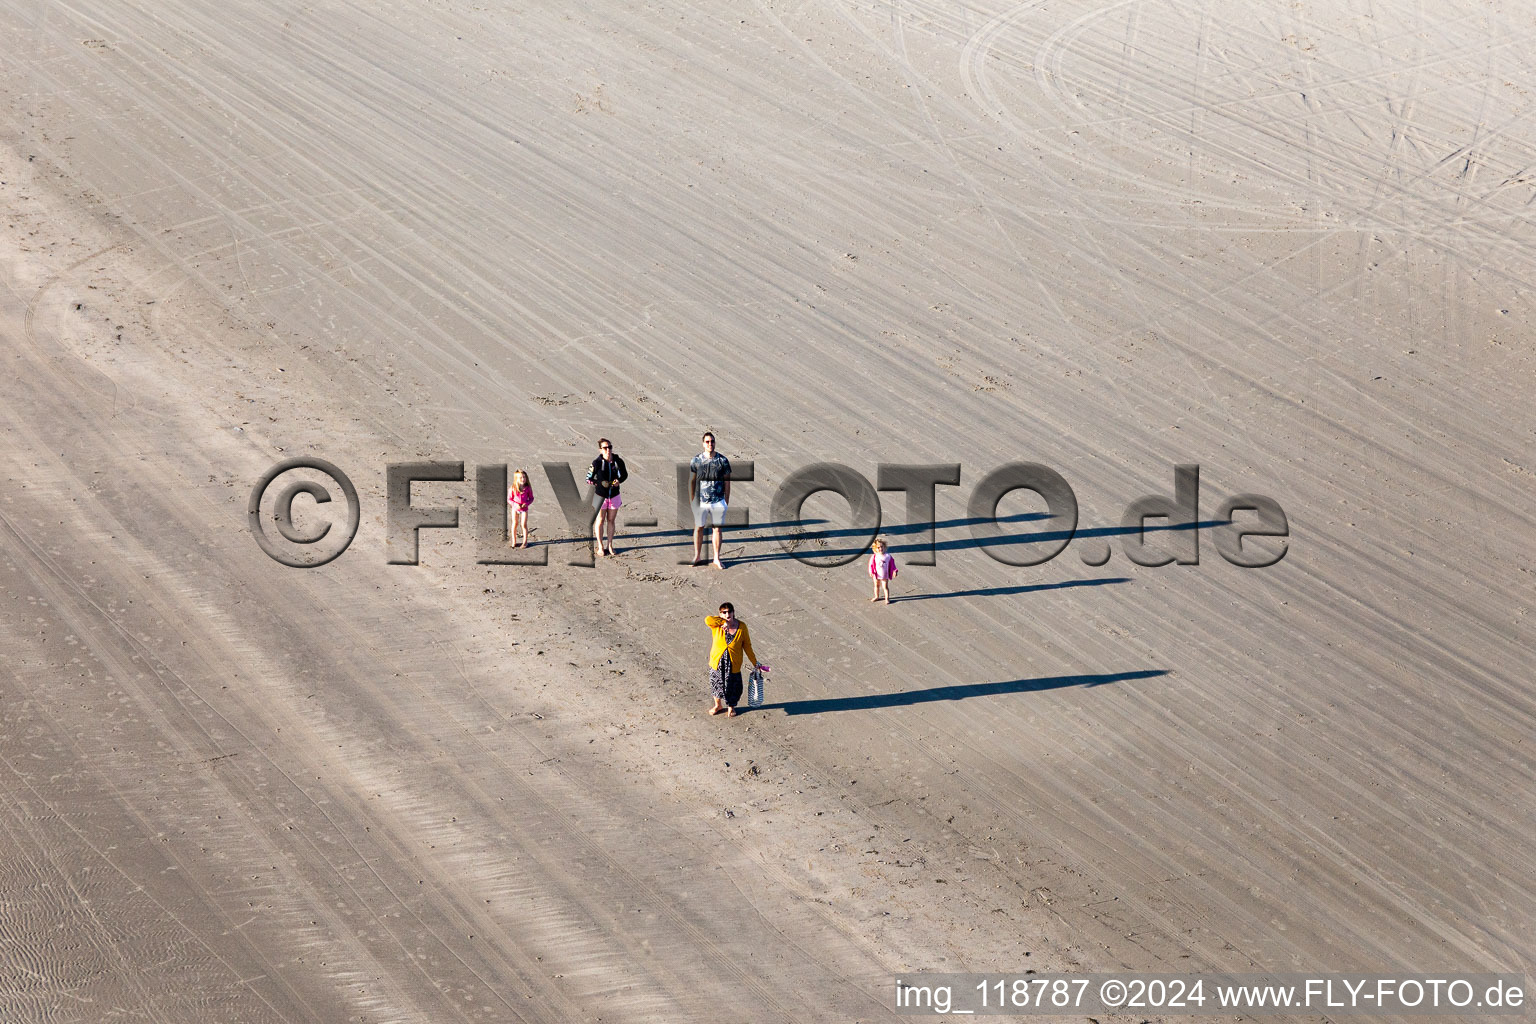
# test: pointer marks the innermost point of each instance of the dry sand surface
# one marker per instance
(1289, 242)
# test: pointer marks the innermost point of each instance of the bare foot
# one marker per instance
(716, 564)
(887, 600)
(717, 711)
(730, 713)
(873, 600)
(611, 552)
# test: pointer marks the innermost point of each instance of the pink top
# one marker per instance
(882, 567)
(522, 499)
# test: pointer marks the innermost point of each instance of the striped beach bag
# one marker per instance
(755, 687)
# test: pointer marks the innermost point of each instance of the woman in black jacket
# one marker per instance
(606, 474)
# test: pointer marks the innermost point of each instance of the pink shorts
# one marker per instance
(613, 502)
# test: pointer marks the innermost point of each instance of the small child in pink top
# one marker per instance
(520, 497)
(882, 569)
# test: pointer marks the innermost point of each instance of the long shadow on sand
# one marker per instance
(1028, 588)
(685, 536)
(813, 544)
(964, 692)
(806, 550)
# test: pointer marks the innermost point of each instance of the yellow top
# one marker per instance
(739, 643)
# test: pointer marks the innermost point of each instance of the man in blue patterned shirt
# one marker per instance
(709, 488)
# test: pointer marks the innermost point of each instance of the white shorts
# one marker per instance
(709, 513)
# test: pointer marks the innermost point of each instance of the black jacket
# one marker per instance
(607, 475)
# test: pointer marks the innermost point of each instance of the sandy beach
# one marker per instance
(1289, 244)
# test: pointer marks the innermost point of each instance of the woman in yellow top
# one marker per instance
(731, 641)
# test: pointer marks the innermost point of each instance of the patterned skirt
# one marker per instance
(723, 683)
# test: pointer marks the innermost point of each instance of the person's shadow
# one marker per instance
(965, 691)
(1025, 588)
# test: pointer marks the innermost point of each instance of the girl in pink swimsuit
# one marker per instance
(520, 497)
